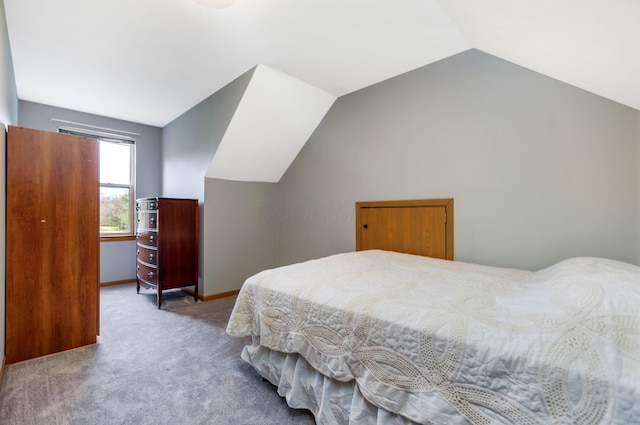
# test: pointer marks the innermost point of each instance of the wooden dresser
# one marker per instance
(167, 244)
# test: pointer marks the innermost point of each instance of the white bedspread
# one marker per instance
(455, 343)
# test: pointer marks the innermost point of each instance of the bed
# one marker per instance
(381, 337)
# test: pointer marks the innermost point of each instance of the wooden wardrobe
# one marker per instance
(52, 243)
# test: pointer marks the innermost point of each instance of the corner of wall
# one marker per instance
(189, 143)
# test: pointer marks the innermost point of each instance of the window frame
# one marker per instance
(103, 137)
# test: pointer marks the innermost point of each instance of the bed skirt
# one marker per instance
(331, 402)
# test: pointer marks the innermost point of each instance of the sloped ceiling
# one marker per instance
(273, 121)
(148, 61)
(590, 44)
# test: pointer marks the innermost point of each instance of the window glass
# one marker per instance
(116, 187)
(115, 163)
(115, 213)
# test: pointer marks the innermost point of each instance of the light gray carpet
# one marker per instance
(171, 366)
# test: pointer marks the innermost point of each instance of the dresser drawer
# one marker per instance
(147, 205)
(147, 255)
(147, 238)
(147, 274)
(147, 220)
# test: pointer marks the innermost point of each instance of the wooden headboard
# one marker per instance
(421, 227)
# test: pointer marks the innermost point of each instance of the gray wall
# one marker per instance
(117, 259)
(188, 144)
(539, 170)
(241, 237)
(8, 92)
(8, 116)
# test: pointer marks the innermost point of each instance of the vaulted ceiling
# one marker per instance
(148, 61)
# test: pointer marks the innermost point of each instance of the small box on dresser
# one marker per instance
(167, 244)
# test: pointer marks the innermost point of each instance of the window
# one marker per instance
(117, 177)
(116, 187)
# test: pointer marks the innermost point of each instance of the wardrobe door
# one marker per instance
(52, 243)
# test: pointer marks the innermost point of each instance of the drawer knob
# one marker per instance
(151, 274)
(151, 256)
(151, 238)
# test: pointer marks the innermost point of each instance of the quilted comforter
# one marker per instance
(441, 342)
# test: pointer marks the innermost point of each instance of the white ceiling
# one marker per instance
(148, 61)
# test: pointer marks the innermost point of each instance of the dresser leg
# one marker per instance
(159, 298)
